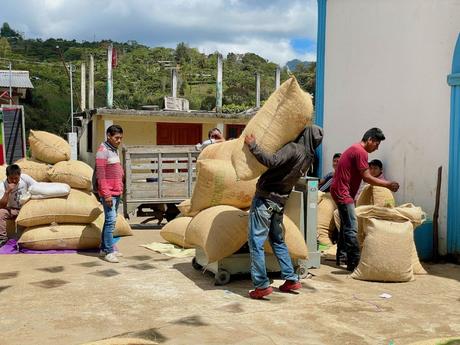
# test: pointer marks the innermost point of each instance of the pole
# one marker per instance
(83, 87)
(219, 84)
(257, 90)
(91, 82)
(71, 98)
(11, 89)
(174, 82)
(277, 77)
(109, 77)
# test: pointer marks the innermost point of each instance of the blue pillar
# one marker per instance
(453, 201)
(319, 92)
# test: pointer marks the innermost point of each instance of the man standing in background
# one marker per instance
(109, 179)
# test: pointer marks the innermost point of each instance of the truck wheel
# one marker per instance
(222, 277)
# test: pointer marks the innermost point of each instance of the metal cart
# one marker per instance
(301, 208)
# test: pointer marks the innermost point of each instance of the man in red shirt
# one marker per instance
(353, 167)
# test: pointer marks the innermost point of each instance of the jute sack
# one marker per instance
(76, 174)
(325, 214)
(220, 231)
(377, 196)
(222, 151)
(281, 119)
(48, 147)
(216, 184)
(122, 227)
(174, 231)
(2, 172)
(405, 212)
(65, 236)
(185, 208)
(386, 254)
(37, 170)
(78, 207)
(294, 241)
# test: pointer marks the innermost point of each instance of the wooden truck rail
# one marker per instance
(157, 175)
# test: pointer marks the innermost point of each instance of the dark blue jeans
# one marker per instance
(110, 219)
(266, 221)
(348, 245)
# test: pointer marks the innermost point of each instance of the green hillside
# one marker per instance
(141, 77)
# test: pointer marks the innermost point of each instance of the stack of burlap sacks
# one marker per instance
(385, 234)
(216, 217)
(71, 222)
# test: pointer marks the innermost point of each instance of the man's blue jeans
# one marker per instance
(110, 219)
(265, 220)
(348, 246)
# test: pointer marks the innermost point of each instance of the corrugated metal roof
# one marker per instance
(19, 79)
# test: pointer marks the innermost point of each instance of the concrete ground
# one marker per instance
(78, 298)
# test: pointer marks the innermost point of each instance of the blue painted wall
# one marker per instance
(453, 203)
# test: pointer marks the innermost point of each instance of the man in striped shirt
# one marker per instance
(109, 179)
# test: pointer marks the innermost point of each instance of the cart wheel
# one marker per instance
(222, 277)
(302, 272)
(196, 265)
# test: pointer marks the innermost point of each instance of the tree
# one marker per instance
(8, 32)
(5, 48)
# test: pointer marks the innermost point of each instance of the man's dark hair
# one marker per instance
(336, 155)
(13, 170)
(212, 130)
(114, 129)
(377, 163)
(374, 134)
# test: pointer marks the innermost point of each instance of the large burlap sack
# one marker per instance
(222, 151)
(294, 240)
(220, 231)
(35, 169)
(46, 190)
(174, 231)
(281, 119)
(386, 254)
(48, 147)
(376, 195)
(402, 213)
(78, 207)
(325, 216)
(76, 174)
(67, 236)
(2, 172)
(122, 227)
(216, 184)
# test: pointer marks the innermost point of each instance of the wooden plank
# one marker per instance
(189, 175)
(160, 174)
(171, 176)
(153, 166)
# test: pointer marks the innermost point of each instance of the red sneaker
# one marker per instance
(290, 285)
(259, 293)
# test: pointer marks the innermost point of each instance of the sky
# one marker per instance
(278, 30)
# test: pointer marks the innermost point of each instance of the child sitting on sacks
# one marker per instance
(285, 167)
(14, 187)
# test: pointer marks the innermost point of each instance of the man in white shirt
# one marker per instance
(13, 188)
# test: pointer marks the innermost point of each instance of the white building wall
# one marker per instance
(386, 66)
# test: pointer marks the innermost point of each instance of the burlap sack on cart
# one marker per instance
(280, 120)
(377, 196)
(3, 172)
(63, 236)
(216, 184)
(76, 174)
(402, 213)
(294, 240)
(386, 254)
(48, 147)
(222, 151)
(174, 231)
(185, 208)
(79, 207)
(35, 169)
(325, 219)
(122, 227)
(220, 231)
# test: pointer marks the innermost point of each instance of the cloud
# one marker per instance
(266, 28)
